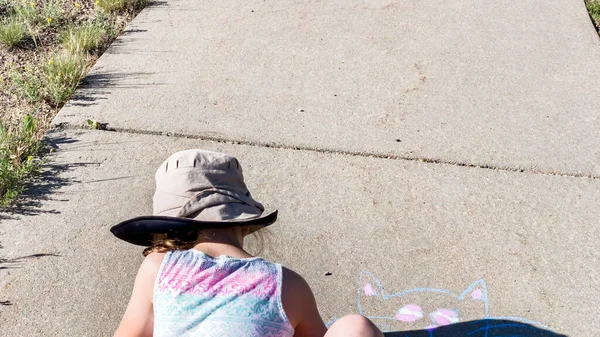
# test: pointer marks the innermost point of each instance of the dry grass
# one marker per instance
(62, 74)
(84, 38)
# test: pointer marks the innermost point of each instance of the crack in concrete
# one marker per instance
(338, 152)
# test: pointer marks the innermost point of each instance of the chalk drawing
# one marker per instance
(425, 308)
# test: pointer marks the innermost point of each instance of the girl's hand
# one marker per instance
(138, 320)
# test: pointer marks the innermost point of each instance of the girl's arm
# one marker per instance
(300, 306)
(138, 320)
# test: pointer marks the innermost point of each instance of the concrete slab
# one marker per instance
(531, 238)
(503, 84)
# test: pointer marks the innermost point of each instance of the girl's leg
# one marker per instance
(353, 326)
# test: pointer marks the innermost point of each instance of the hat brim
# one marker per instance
(139, 230)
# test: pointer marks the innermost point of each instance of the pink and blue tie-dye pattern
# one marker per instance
(197, 295)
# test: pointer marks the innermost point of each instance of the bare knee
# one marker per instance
(357, 322)
(353, 325)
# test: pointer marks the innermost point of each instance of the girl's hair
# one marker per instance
(161, 243)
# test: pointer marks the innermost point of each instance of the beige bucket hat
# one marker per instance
(196, 189)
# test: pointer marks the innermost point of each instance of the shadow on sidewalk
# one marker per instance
(480, 328)
(94, 86)
(16, 263)
(42, 186)
(45, 185)
(157, 3)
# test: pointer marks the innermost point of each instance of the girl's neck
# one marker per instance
(222, 241)
(215, 249)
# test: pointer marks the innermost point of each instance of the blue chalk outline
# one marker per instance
(386, 297)
(479, 283)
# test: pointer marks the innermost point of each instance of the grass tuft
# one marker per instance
(12, 32)
(19, 149)
(593, 7)
(62, 75)
(83, 38)
(53, 12)
(26, 12)
(114, 6)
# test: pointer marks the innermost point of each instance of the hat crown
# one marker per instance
(193, 180)
(199, 160)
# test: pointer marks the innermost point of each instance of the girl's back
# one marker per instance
(198, 295)
(201, 201)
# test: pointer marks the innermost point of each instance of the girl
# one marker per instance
(197, 280)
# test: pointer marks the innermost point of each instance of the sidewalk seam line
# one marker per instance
(68, 126)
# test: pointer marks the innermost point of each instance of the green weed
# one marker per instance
(83, 38)
(107, 23)
(62, 75)
(12, 32)
(593, 7)
(94, 124)
(26, 12)
(19, 149)
(113, 6)
(27, 81)
(53, 12)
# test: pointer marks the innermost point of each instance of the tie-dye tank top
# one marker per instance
(197, 295)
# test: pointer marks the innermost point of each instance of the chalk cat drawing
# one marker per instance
(424, 308)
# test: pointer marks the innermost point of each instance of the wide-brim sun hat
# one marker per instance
(196, 189)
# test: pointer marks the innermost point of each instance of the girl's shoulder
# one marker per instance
(155, 257)
(152, 263)
(291, 279)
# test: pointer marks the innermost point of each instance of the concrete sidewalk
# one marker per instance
(440, 155)
(495, 84)
(531, 238)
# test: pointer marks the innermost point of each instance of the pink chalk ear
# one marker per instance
(477, 294)
(369, 290)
